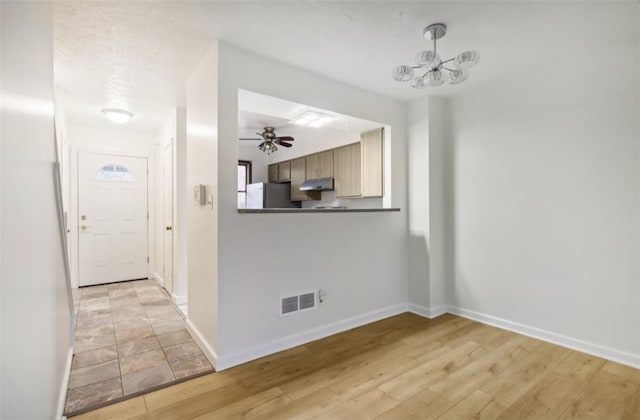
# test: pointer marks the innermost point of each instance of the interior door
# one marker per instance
(167, 209)
(112, 209)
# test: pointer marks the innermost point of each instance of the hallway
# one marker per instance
(130, 339)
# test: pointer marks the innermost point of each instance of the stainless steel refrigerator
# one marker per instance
(263, 195)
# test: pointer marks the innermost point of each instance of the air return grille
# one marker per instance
(297, 303)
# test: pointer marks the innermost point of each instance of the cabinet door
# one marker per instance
(284, 171)
(312, 167)
(298, 176)
(372, 163)
(346, 169)
(325, 164)
(273, 173)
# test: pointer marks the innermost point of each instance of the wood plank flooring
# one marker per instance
(404, 367)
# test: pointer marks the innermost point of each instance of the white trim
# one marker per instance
(179, 300)
(427, 312)
(608, 353)
(159, 278)
(62, 398)
(284, 343)
(208, 351)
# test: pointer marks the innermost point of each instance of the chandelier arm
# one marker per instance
(448, 69)
(446, 61)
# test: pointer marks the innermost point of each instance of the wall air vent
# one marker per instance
(300, 302)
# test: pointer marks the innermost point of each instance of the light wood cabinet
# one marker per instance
(273, 173)
(372, 163)
(298, 176)
(320, 165)
(347, 171)
(284, 171)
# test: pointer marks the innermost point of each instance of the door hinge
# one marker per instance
(147, 215)
(147, 259)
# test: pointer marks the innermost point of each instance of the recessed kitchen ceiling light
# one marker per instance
(312, 119)
(118, 116)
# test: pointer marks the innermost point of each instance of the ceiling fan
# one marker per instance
(269, 140)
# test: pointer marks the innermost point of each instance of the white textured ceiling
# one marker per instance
(137, 55)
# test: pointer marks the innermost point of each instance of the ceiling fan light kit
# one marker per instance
(429, 62)
(270, 140)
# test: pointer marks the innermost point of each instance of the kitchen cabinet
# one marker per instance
(284, 171)
(347, 171)
(298, 176)
(372, 162)
(273, 172)
(320, 165)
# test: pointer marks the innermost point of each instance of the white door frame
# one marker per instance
(75, 218)
(168, 284)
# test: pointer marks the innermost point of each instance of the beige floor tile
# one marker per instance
(92, 374)
(140, 345)
(92, 343)
(134, 334)
(190, 366)
(146, 379)
(182, 351)
(165, 327)
(173, 338)
(93, 395)
(94, 357)
(140, 361)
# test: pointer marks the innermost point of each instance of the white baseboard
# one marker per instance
(62, 398)
(159, 278)
(208, 351)
(227, 361)
(427, 312)
(178, 300)
(628, 359)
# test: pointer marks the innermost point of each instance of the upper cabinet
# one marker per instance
(298, 177)
(273, 173)
(372, 162)
(280, 172)
(320, 165)
(347, 170)
(284, 171)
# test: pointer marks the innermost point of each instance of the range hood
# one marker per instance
(324, 184)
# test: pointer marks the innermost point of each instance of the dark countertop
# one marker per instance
(327, 210)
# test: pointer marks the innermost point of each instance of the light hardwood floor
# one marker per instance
(404, 367)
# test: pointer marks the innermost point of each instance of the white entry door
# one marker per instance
(167, 209)
(112, 218)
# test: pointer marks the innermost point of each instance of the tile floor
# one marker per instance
(130, 338)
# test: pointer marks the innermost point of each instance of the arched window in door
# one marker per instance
(113, 172)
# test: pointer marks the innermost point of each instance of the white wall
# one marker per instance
(543, 170)
(202, 221)
(35, 307)
(358, 258)
(119, 141)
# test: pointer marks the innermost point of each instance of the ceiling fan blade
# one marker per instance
(286, 138)
(281, 143)
(251, 139)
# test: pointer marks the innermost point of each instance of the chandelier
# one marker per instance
(429, 62)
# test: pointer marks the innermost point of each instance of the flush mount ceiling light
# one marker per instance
(118, 116)
(429, 62)
(312, 119)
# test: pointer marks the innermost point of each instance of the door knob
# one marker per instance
(168, 228)
(84, 227)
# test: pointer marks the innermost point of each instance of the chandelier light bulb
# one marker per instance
(418, 83)
(402, 73)
(428, 59)
(434, 78)
(458, 76)
(466, 59)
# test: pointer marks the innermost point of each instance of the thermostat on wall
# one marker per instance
(199, 195)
